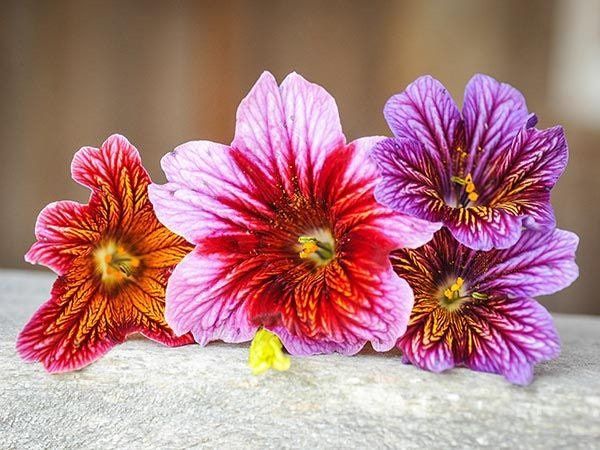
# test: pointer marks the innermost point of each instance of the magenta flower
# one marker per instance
(288, 234)
(475, 308)
(485, 174)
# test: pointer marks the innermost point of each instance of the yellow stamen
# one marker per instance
(318, 246)
(309, 246)
(114, 263)
(266, 352)
(469, 185)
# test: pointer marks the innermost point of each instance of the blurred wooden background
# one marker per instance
(73, 72)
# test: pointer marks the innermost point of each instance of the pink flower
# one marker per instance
(288, 234)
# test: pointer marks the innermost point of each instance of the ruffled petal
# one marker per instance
(511, 337)
(203, 297)
(426, 112)
(147, 309)
(64, 230)
(493, 113)
(538, 264)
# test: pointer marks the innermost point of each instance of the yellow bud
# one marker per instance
(266, 352)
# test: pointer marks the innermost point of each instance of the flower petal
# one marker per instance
(64, 230)
(206, 190)
(312, 122)
(538, 264)
(71, 330)
(118, 181)
(522, 177)
(512, 336)
(412, 180)
(146, 297)
(483, 227)
(425, 112)
(204, 298)
(493, 113)
(356, 307)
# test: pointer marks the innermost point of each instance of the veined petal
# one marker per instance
(426, 112)
(518, 334)
(260, 131)
(483, 227)
(523, 176)
(357, 307)
(313, 125)
(72, 329)
(540, 263)
(206, 190)
(64, 230)
(412, 180)
(118, 181)
(204, 297)
(493, 113)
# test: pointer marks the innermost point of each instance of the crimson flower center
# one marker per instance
(317, 246)
(115, 263)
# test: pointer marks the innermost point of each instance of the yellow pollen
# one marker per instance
(266, 353)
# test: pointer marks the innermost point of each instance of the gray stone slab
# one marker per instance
(143, 395)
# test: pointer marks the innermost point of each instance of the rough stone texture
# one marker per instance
(144, 395)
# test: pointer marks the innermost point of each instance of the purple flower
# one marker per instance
(475, 308)
(485, 174)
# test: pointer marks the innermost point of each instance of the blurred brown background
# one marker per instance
(162, 73)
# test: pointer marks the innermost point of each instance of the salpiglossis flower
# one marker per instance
(476, 309)
(113, 258)
(485, 174)
(287, 230)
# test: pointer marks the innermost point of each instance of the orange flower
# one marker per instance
(113, 258)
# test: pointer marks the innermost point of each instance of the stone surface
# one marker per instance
(144, 395)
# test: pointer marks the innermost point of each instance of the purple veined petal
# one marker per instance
(517, 334)
(493, 113)
(525, 174)
(426, 112)
(202, 176)
(484, 228)
(427, 350)
(200, 299)
(540, 263)
(412, 180)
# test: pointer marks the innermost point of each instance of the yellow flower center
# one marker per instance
(266, 352)
(114, 263)
(318, 246)
(456, 295)
(469, 185)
